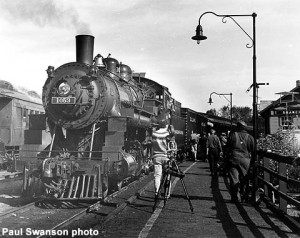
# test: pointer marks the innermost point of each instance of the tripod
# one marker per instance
(171, 169)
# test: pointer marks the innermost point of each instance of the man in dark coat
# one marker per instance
(202, 145)
(214, 151)
(240, 150)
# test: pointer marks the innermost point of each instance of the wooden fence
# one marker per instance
(279, 189)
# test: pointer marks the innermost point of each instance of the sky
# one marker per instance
(154, 36)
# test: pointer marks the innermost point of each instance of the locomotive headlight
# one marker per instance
(63, 89)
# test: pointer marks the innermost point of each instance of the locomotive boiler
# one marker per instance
(100, 116)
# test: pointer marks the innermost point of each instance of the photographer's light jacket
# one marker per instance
(159, 143)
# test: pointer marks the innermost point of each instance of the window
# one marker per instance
(286, 122)
(24, 113)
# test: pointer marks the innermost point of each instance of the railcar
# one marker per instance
(17, 105)
(221, 124)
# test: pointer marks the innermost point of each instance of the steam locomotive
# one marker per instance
(100, 115)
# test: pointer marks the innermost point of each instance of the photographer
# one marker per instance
(160, 139)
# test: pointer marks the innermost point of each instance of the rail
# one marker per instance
(280, 191)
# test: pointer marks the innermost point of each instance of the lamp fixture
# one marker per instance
(199, 34)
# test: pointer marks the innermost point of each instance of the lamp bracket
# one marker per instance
(224, 20)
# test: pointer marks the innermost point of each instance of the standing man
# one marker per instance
(240, 150)
(193, 145)
(160, 139)
(202, 145)
(214, 151)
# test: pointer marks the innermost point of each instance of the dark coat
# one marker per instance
(240, 147)
(213, 144)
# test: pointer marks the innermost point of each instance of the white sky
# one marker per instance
(154, 36)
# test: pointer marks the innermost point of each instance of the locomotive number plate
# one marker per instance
(63, 100)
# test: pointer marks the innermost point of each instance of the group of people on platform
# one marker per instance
(235, 150)
(230, 154)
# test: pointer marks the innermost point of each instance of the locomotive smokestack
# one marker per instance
(84, 49)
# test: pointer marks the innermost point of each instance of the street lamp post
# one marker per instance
(199, 36)
(230, 101)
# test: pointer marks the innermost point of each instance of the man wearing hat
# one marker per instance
(160, 139)
(214, 150)
(240, 150)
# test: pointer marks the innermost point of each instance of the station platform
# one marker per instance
(214, 215)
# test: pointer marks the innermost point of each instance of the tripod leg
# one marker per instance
(187, 196)
(167, 186)
(185, 190)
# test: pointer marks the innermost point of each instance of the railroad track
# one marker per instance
(108, 206)
(17, 209)
(39, 217)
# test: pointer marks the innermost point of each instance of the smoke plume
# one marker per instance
(43, 13)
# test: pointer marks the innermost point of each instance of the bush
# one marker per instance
(285, 143)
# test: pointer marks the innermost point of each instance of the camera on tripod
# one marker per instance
(172, 149)
(171, 167)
